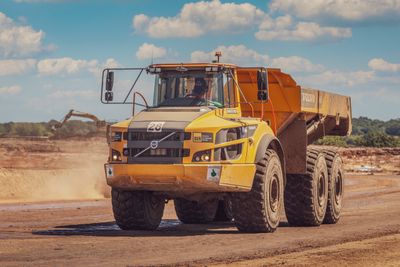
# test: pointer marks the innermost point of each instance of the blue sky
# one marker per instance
(52, 51)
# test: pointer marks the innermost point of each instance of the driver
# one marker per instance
(200, 88)
(199, 92)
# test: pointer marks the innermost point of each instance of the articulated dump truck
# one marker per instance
(226, 143)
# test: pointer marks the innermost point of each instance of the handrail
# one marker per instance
(134, 101)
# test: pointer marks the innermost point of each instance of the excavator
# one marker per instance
(74, 113)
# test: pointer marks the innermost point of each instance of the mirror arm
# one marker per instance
(133, 85)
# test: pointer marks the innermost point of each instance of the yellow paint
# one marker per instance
(175, 177)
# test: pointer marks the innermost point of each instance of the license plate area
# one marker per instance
(158, 152)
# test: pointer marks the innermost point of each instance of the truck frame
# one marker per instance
(242, 153)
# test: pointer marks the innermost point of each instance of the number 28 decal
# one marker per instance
(155, 126)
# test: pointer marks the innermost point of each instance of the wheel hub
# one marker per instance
(274, 193)
(321, 189)
(338, 188)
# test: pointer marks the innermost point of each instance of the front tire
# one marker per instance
(258, 210)
(137, 210)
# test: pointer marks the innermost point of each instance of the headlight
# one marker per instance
(202, 137)
(231, 134)
(115, 155)
(202, 156)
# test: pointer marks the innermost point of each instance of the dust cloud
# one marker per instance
(53, 176)
(38, 185)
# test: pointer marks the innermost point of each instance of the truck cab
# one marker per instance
(193, 138)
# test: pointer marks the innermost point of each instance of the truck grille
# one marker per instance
(145, 136)
(170, 150)
(160, 152)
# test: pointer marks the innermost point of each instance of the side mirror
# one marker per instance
(109, 81)
(262, 84)
(108, 96)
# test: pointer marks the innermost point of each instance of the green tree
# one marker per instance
(379, 139)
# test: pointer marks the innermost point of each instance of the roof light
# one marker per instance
(212, 69)
(154, 70)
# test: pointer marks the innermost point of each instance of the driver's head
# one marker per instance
(200, 87)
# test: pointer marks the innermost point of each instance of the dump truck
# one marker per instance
(225, 143)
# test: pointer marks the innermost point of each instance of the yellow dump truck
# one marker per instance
(225, 143)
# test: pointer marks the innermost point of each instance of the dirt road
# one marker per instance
(83, 233)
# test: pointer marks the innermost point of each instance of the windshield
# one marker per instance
(193, 89)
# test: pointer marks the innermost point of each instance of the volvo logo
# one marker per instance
(154, 144)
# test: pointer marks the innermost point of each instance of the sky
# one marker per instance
(52, 52)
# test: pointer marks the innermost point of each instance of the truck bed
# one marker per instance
(298, 116)
(288, 101)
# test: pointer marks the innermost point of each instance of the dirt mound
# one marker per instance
(52, 170)
(30, 147)
(363, 152)
(38, 185)
(361, 159)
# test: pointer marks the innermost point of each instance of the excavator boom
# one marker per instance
(74, 113)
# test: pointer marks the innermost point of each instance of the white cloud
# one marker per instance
(88, 94)
(335, 79)
(149, 51)
(340, 10)
(195, 19)
(243, 56)
(39, 1)
(16, 66)
(296, 64)
(65, 65)
(98, 68)
(10, 90)
(111, 63)
(283, 28)
(237, 54)
(16, 40)
(379, 64)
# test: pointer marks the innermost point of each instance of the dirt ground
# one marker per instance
(53, 213)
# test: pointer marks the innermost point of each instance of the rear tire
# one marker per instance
(137, 210)
(306, 196)
(336, 186)
(258, 210)
(191, 212)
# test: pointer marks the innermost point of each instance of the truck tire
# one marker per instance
(258, 210)
(306, 196)
(224, 211)
(137, 210)
(191, 212)
(336, 185)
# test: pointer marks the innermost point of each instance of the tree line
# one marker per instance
(368, 132)
(73, 128)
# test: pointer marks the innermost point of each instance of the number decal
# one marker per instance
(155, 126)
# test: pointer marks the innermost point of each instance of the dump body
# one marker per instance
(298, 116)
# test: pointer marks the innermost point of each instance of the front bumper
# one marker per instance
(181, 177)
